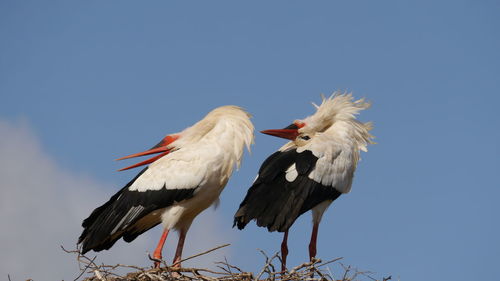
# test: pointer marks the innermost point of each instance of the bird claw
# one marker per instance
(157, 262)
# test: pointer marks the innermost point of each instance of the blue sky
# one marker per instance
(87, 82)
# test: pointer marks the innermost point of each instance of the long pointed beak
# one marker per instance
(289, 134)
(147, 152)
(161, 147)
(150, 160)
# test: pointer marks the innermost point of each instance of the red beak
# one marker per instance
(289, 134)
(161, 147)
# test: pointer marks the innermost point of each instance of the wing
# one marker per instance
(289, 183)
(336, 162)
(181, 169)
(135, 208)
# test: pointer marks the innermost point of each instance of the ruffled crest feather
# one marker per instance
(343, 108)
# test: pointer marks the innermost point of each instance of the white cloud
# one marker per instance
(42, 206)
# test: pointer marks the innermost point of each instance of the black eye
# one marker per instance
(305, 137)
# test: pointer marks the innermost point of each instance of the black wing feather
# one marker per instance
(119, 216)
(276, 203)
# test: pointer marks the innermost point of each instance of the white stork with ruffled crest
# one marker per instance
(310, 171)
(187, 177)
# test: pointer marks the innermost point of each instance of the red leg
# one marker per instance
(312, 244)
(284, 251)
(159, 248)
(180, 246)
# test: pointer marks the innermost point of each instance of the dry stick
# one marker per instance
(197, 274)
(85, 269)
(123, 265)
(228, 270)
(272, 273)
(225, 270)
(316, 268)
(189, 269)
(371, 277)
(330, 273)
(319, 273)
(152, 277)
(312, 267)
(273, 270)
(235, 267)
(206, 252)
(330, 261)
(364, 273)
(306, 264)
(268, 262)
(102, 269)
(98, 275)
(346, 271)
(227, 264)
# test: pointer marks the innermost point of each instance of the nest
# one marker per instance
(314, 270)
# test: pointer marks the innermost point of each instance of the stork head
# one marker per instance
(335, 115)
(226, 123)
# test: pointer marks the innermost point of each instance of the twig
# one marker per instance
(206, 252)
(85, 269)
(346, 271)
(306, 264)
(315, 269)
(330, 261)
(190, 269)
(268, 262)
(98, 275)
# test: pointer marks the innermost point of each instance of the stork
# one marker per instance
(310, 171)
(187, 177)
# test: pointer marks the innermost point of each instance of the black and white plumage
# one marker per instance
(127, 214)
(310, 171)
(185, 179)
(283, 191)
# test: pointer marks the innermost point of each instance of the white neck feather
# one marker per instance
(228, 127)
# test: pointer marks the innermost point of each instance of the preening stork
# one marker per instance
(310, 171)
(187, 177)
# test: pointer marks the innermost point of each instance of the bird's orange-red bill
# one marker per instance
(161, 147)
(290, 134)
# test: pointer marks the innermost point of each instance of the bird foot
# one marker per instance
(176, 265)
(156, 259)
(283, 269)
